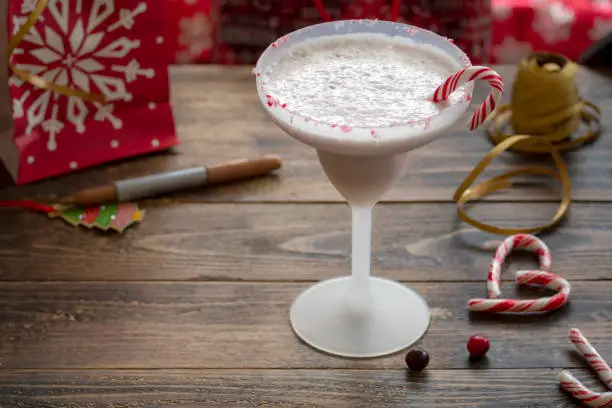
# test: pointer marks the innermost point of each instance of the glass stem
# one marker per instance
(362, 252)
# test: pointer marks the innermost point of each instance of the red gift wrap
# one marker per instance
(567, 27)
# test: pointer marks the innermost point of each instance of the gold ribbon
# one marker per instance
(37, 81)
(545, 112)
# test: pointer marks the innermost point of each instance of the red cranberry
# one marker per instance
(478, 346)
(417, 359)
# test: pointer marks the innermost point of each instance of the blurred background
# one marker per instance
(490, 31)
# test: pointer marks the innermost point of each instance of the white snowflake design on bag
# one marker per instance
(72, 52)
(196, 36)
(501, 12)
(601, 27)
(553, 21)
(511, 51)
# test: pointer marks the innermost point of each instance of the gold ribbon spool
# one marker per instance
(37, 81)
(545, 111)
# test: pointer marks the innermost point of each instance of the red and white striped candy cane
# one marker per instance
(472, 74)
(541, 277)
(572, 385)
(520, 241)
(544, 304)
(588, 397)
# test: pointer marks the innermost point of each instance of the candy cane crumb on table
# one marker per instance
(573, 386)
(465, 76)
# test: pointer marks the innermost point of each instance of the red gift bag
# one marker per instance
(101, 90)
(6, 120)
(246, 27)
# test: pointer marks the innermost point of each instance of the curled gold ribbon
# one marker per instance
(545, 112)
(37, 81)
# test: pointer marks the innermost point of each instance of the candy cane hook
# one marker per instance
(470, 74)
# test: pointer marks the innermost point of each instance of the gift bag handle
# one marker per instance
(393, 15)
(37, 81)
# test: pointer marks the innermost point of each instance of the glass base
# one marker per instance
(325, 318)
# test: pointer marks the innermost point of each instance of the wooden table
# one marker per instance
(190, 308)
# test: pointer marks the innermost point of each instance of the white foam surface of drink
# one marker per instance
(360, 80)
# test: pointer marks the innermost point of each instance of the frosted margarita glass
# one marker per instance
(361, 315)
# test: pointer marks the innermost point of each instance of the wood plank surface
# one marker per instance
(190, 308)
(289, 389)
(289, 242)
(132, 325)
(219, 118)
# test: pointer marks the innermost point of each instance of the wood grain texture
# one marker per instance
(190, 308)
(286, 389)
(288, 242)
(245, 325)
(219, 118)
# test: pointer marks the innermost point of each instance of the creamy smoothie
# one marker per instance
(360, 80)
